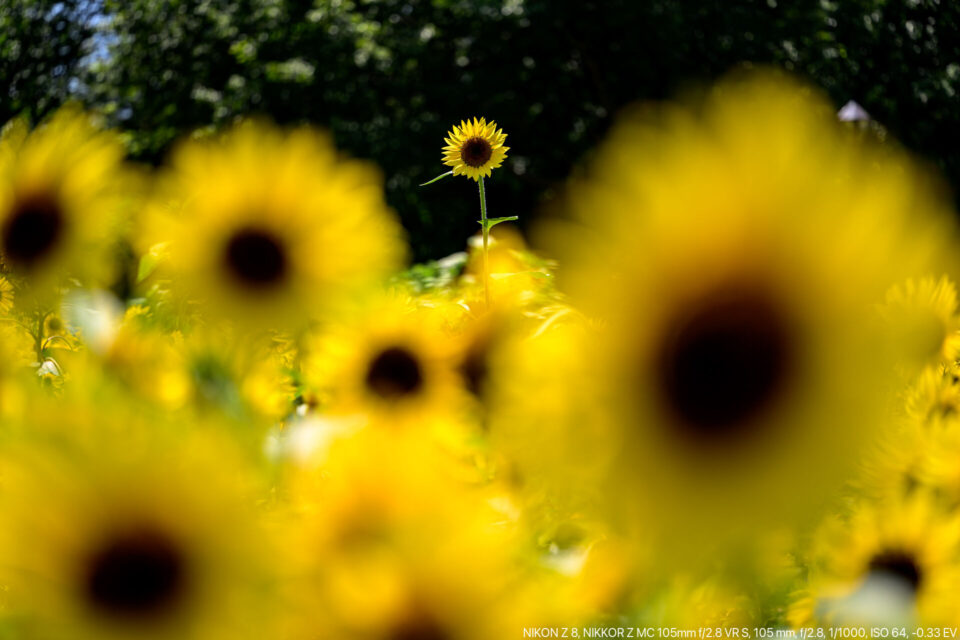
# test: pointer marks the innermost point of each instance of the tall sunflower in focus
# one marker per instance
(265, 228)
(116, 527)
(475, 148)
(736, 264)
(62, 189)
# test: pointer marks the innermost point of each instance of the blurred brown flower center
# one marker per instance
(136, 574)
(394, 373)
(256, 257)
(722, 363)
(899, 565)
(31, 230)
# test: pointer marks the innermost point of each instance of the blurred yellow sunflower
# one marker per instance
(735, 264)
(475, 148)
(116, 527)
(894, 466)
(250, 380)
(481, 338)
(61, 195)
(394, 546)
(923, 318)
(892, 563)
(53, 325)
(940, 469)
(911, 455)
(264, 228)
(933, 399)
(390, 363)
(148, 361)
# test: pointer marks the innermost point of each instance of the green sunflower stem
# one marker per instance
(485, 227)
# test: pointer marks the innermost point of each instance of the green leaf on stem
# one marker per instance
(439, 177)
(492, 222)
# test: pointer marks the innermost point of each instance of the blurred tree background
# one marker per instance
(44, 45)
(389, 77)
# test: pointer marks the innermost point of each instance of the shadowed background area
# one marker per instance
(389, 78)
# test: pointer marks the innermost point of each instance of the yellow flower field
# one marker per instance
(722, 393)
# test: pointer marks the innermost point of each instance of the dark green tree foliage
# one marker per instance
(901, 61)
(43, 44)
(389, 77)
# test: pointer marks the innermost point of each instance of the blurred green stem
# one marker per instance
(486, 236)
(38, 337)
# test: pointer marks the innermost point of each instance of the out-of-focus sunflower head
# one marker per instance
(266, 228)
(941, 464)
(911, 456)
(933, 399)
(395, 546)
(475, 148)
(736, 263)
(923, 322)
(480, 342)
(556, 441)
(148, 360)
(146, 530)
(63, 189)
(251, 380)
(893, 467)
(888, 563)
(390, 361)
(54, 325)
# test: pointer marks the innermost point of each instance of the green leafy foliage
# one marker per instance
(388, 78)
(43, 44)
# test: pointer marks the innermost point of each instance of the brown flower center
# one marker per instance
(136, 574)
(722, 364)
(31, 231)
(476, 152)
(256, 258)
(898, 565)
(394, 373)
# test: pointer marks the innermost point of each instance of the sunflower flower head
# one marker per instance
(475, 148)
(131, 545)
(923, 313)
(62, 189)
(892, 560)
(389, 362)
(264, 227)
(394, 546)
(728, 358)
